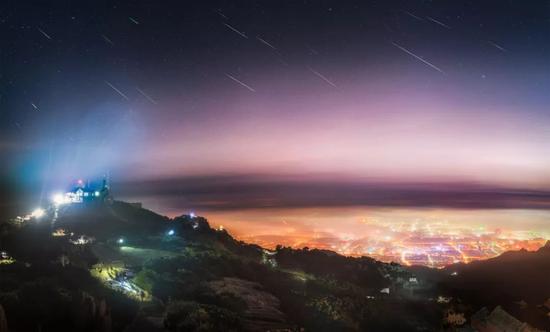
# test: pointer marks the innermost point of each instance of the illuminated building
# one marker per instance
(38, 213)
(82, 240)
(84, 193)
(59, 232)
(385, 290)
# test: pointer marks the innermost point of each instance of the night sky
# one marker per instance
(232, 104)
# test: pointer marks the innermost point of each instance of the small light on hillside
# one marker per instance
(38, 213)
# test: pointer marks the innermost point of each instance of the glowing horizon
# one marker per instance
(431, 237)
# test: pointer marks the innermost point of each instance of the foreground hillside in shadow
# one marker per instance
(119, 267)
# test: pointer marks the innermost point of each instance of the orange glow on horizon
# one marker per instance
(430, 237)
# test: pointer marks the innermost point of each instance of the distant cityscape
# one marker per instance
(433, 244)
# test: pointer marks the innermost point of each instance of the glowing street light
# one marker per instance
(38, 213)
(192, 215)
(96, 194)
(120, 241)
(59, 199)
(171, 232)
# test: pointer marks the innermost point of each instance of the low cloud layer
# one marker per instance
(234, 192)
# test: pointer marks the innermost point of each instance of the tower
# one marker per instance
(106, 189)
(105, 182)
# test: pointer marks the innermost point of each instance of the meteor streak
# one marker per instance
(117, 90)
(107, 40)
(418, 58)
(241, 83)
(146, 96)
(497, 46)
(438, 22)
(44, 34)
(321, 76)
(236, 31)
(221, 14)
(266, 43)
(413, 16)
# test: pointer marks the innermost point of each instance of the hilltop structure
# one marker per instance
(85, 193)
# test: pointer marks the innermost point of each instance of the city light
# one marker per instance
(192, 215)
(427, 242)
(171, 232)
(97, 193)
(120, 241)
(38, 213)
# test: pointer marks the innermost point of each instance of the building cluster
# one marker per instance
(427, 243)
(437, 244)
(83, 193)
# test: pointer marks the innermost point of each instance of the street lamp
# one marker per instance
(58, 199)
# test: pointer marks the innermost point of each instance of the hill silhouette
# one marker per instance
(508, 275)
(115, 267)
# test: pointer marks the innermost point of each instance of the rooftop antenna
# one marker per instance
(106, 190)
(107, 181)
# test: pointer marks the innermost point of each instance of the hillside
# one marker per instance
(516, 280)
(532, 268)
(118, 267)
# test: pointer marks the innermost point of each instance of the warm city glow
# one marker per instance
(429, 237)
